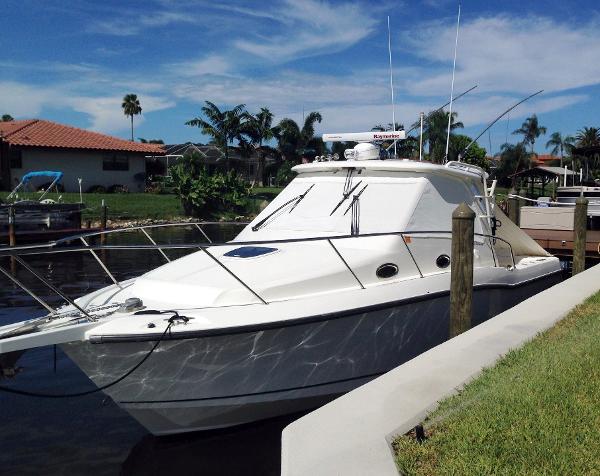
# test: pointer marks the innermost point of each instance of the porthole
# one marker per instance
(387, 270)
(443, 261)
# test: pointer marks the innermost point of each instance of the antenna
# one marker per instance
(452, 86)
(391, 82)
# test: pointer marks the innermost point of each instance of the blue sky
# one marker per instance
(72, 62)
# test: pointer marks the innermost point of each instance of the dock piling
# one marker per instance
(12, 237)
(461, 271)
(514, 208)
(103, 220)
(580, 232)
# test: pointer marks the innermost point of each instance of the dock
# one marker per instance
(560, 242)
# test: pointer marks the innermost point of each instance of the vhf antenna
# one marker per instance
(433, 112)
(391, 82)
(452, 86)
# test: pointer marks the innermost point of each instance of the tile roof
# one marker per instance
(41, 133)
(543, 158)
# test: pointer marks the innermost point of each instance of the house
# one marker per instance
(545, 159)
(214, 158)
(97, 159)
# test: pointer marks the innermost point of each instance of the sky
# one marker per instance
(72, 61)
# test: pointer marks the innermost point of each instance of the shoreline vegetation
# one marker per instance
(537, 411)
(131, 209)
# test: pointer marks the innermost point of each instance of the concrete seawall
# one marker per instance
(352, 434)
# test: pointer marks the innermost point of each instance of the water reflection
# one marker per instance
(247, 450)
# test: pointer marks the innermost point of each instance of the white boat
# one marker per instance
(344, 276)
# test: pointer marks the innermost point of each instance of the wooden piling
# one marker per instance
(12, 237)
(580, 232)
(103, 220)
(461, 272)
(514, 208)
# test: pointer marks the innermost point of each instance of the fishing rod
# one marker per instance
(463, 153)
(415, 125)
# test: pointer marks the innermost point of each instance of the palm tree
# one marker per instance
(530, 130)
(223, 126)
(513, 158)
(7, 118)
(560, 144)
(293, 141)
(435, 129)
(588, 137)
(258, 128)
(131, 107)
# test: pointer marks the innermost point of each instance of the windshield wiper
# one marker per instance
(296, 200)
(344, 198)
(355, 198)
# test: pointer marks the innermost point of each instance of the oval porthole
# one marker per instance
(387, 270)
(443, 261)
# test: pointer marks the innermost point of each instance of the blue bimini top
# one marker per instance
(42, 173)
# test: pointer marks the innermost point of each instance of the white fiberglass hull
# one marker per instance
(200, 380)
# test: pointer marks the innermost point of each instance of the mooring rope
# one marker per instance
(171, 320)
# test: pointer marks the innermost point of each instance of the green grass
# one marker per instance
(536, 412)
(134, 206)
(123, 205)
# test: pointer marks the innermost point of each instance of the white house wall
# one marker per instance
(85, 164)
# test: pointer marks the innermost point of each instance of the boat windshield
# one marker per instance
(386, 205)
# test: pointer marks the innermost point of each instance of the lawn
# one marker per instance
(134, 206)
(536, 412)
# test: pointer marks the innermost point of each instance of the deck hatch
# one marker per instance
(249, 252)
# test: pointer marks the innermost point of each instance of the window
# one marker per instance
(16, 159)
(115, 162)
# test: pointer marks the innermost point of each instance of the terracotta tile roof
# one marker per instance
(41, 133)
(544, 158)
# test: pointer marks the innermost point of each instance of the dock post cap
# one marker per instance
(463, 212)
(581, 199)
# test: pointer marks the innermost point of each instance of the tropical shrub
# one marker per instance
(117, 188)
(285, 174)
(206, 195)
(96, 189)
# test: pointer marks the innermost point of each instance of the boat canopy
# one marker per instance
(56, 176)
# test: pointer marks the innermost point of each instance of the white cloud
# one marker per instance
(211, 64)
(507, 54)
(22, 100)
(106, 114)
(129, 25)
(311, 27)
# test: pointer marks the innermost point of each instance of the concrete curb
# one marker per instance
(352, 434)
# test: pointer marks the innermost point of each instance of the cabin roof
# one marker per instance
(404, 165)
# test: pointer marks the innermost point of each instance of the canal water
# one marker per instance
(92, 435)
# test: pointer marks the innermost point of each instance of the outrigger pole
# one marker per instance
(464, 152)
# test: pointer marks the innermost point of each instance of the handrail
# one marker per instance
(49, 249)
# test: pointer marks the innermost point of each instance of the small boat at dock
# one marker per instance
(41, 219)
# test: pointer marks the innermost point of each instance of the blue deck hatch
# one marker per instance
(249, 252)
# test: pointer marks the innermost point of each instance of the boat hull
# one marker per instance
(202, 382)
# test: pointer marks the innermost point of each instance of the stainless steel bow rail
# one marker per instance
(63, 246)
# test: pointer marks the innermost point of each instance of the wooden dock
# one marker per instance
(560, 242)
